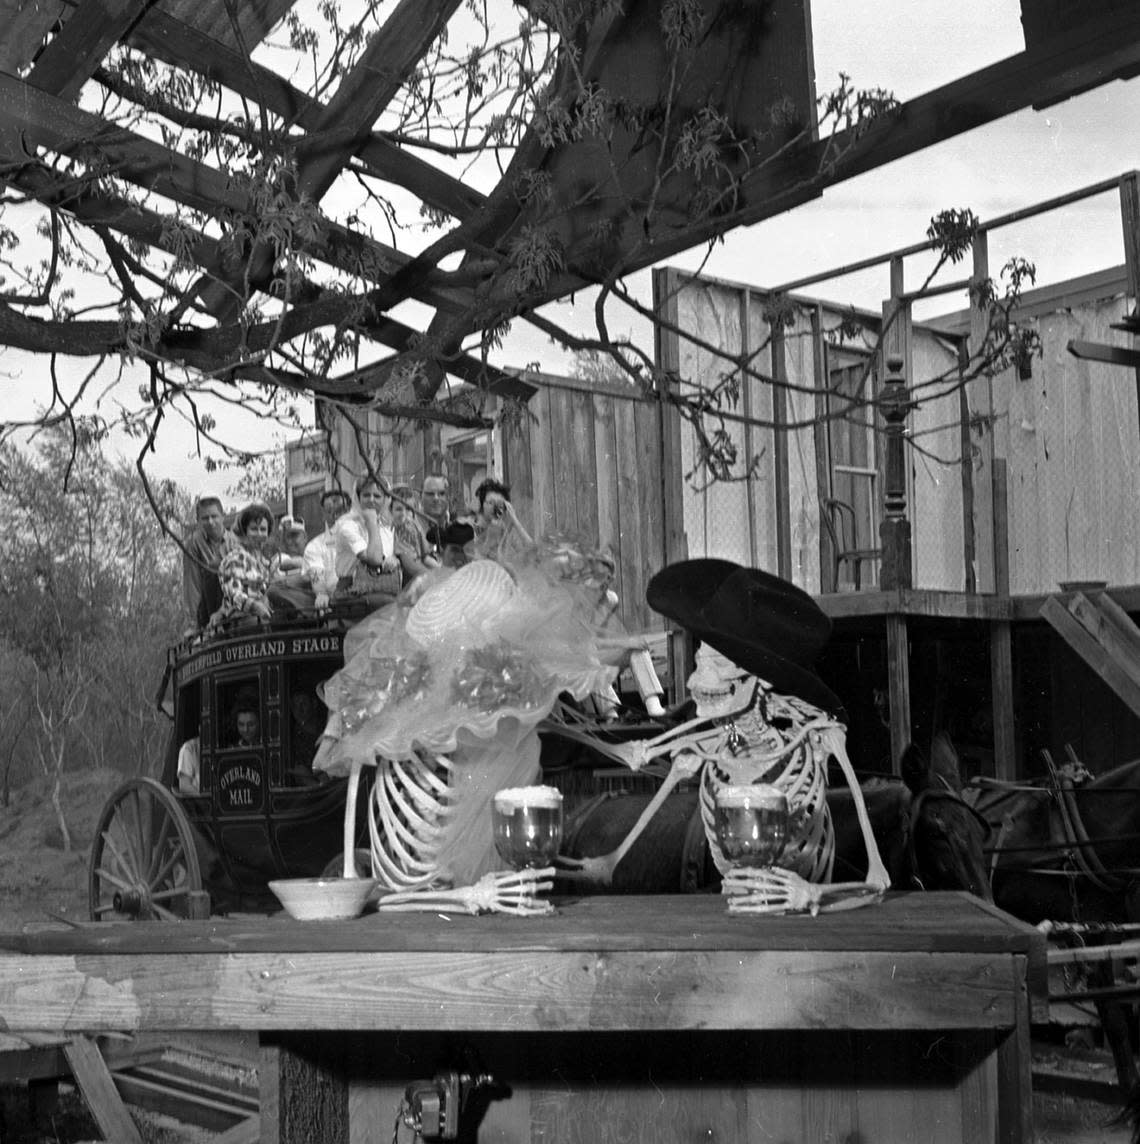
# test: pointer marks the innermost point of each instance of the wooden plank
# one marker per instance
(70, 58)
(1110, 355)
(563, 493)
(1113, 630)
(606, 468)
(1089, 648)
(931, 922)
(1120, 621)
(632, 571)
(389, 56)
(585, 465)
(94, 1081)
(520, 990)
(215, 18)
(541, 437)
(654, 556)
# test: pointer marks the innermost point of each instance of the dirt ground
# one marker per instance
(41, 881)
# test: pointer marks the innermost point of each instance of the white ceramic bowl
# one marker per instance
(323, 899)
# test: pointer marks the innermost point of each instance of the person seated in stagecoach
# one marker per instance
(205, 548)
(412, 545)
(370, 566)
(292, 540)
(320, 552)
(246, 723)
(497, 526)
(246, 572)
(307, 718)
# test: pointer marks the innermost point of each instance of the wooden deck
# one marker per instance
(664, 1017)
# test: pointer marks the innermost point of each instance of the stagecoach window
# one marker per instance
(240, 715)
(306, 717)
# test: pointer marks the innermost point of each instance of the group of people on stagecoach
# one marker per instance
(374, 544)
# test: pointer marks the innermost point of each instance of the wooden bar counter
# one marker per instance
(617, 1018)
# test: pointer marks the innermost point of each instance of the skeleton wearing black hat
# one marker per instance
(763, 717)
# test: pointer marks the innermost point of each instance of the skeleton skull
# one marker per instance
(719, 688)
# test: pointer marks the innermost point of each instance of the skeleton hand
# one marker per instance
(772, 890)
(509, 892)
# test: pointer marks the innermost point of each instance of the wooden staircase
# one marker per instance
(1103, 635)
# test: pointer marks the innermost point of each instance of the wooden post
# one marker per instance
(780, 453)
(1130, 221)
(667, 354)
(827, 573)
(980, 457)
(303, 1098)
(744, 307)
(894, 530)
(898, 684)
(1001, 640)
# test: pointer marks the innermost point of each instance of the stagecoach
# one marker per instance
(229, 813)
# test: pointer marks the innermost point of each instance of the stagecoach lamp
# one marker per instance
(751, 823)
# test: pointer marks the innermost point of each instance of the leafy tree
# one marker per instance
(89, 601)
(479, 159)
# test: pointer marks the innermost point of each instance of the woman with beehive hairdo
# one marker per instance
(245, 572)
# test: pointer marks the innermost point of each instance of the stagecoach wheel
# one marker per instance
(144, 866)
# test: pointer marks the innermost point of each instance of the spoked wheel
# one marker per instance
(144, 865)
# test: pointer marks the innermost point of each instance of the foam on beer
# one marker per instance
(512, 798)
(762, 794)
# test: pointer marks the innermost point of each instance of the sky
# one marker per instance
(907, 47)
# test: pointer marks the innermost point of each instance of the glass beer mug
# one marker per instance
(528, 825)
(751, 823)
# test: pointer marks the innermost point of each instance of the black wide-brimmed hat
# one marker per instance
(764, 624)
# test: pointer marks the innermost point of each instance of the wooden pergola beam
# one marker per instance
(360, 97)
(1051, 72)
(70, 58)
(180, 45)
(44, 121)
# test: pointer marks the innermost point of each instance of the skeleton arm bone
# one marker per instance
(600, 869)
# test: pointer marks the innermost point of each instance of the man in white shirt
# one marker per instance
(320, 552)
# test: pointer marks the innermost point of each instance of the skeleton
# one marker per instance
(745, 733)
(428, 828)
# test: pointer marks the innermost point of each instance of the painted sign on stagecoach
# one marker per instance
(239, 786)
(259, 649)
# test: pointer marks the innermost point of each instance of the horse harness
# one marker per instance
(1078, 849)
